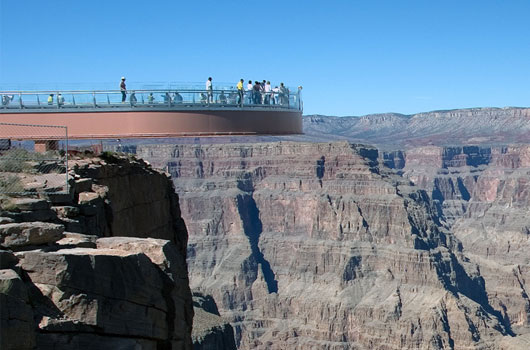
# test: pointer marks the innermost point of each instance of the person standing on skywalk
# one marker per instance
(123, 90)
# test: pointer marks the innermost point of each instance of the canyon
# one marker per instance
(325, 246)
(377, 232)
(409, 233)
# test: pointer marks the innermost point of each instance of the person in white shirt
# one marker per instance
(209, 90)
(249, 92)
(268, 90)
(262, 92)
(275, 93)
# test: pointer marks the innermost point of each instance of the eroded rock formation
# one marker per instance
(318, 246)
(483, 193)
(210, 330)
(99, 267)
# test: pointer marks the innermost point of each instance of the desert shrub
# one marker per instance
(11, 184)
(55, 167)
(11, 165)
(7, 204)
(18, 160)
(109, 157)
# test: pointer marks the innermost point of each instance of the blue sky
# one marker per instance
(351, 57)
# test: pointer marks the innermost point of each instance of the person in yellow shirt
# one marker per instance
(240, 92)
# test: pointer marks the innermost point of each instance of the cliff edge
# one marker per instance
(102, 266)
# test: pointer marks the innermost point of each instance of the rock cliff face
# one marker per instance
(77, 270)
(318, 246)
(483, 193)
(210, 330)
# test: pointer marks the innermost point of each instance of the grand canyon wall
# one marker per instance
(319, 246)
(483, 193)
(99, 267)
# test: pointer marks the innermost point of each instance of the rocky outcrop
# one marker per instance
(17, 329)
(317, 246)
(17, 235)
(101, 265)
(210, 330)
(113, 290)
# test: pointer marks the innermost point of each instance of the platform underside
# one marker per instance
(147, 123)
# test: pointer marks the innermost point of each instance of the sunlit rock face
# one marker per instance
(319, 246)
(484, 194)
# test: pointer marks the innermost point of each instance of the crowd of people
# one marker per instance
(263, 93)
(257, 93)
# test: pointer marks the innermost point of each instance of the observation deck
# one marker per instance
(101, 114)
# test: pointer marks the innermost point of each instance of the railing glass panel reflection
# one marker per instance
(151, 98)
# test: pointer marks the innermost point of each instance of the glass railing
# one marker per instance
(154, 98)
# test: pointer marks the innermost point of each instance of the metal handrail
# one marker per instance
(149, 97)
(44, 92)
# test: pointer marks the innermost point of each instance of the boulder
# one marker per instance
(31, 204)
(17, 328)
(161, 252)
(83, 185)
(37, 215)
(88, 197)
(118, 292)
(72, 239)
(165, 255)
(17, 235)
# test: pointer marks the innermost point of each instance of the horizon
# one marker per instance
(353, 58)
(413, 114)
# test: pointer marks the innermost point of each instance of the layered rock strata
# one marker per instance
(484, 195)
(100, 266)
(317, 246)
